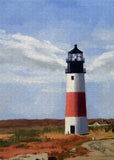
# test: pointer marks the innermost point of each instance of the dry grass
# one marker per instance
(6, 136)
(101, 132)
(58, 145)
(50, 139)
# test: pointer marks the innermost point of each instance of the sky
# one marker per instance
(35, 37)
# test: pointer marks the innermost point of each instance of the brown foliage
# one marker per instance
(25, 123)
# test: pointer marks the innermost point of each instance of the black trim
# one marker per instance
(75, 61)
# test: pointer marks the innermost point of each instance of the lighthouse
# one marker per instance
(75, 116)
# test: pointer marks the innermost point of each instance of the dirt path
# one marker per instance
(99, 150)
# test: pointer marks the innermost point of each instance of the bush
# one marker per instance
(4, 143)
(53, 129)
(29, 135)
(22, 135)
(105, 128)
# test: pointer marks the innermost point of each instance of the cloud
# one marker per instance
(29, 52)
(25, 59)
(102, 68)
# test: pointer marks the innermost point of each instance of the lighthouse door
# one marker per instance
(72, 129)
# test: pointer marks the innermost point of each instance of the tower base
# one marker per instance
(76, 125)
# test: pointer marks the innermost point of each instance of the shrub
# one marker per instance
(29, 135)
(22, 135)
(105, 128)
(53, 129)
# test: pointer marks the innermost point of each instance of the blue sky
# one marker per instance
(35, 36)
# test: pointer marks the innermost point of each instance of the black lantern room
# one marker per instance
(75, 61)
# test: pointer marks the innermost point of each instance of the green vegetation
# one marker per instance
(105, 128)
(34, 134)
(53, 130)
(29, 135)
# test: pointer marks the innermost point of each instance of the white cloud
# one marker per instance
(32, 57)
(29, 52)
(102, 68)
(26, 60)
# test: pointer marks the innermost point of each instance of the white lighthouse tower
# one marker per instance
(75, 116)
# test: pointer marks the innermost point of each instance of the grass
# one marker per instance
(29, 135)
(105, 128)
(53, 129)
(22, 136)
(34, 134)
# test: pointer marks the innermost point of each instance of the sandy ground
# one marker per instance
(99, 150)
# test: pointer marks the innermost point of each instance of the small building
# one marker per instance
(96, 124)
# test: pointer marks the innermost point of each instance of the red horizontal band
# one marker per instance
(75, 104)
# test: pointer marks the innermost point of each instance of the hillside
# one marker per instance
(25, 123)
(101, 121)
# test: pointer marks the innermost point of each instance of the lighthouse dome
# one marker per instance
(75, 50)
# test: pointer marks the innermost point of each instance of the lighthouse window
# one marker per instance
(72, 77)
